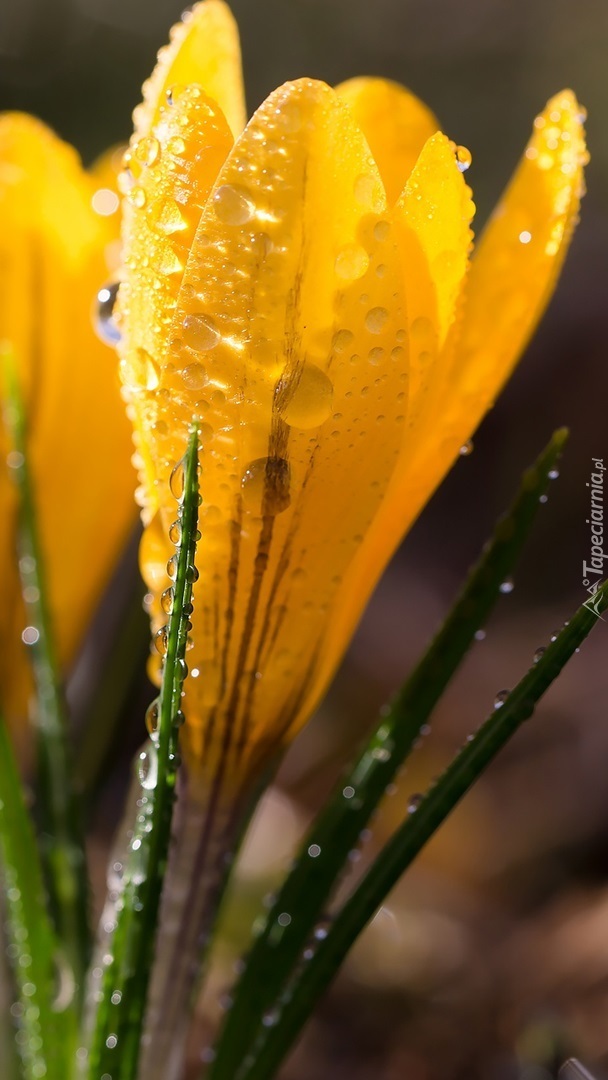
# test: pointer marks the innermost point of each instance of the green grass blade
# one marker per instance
(282, 1025)
(119, 1017)
(302, 898)
(43, 1032)
(61, 839)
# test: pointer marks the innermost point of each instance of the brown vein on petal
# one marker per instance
(298, 698)
(282, 567)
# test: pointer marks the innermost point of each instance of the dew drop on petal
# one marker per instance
(375, 320)
(147, 150)
(463, 158)
(232, 206)
(200, 332)
(194, 376)
(137, 197)
(266, 485)
(170, 218)
(305, 400)
(352, 262)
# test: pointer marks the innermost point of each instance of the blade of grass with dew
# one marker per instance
(61, 839)
(46, 1025)
(299, 904)
(119, 1015)
(283, 1024)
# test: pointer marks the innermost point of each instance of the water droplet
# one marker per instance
(175, 532)
(543, 499)
(314, 851)
(539, 652)
(466, 448)
(200, 332)
(152, 717)
(137, 197)
(116, 997)
(177, 481)
(195, 376)
(463, 158)
(269, 1019)
(192, 574)
(507, 586)
(342, 339)
(265, 485)
(105, 325)
(176, 146)
(348, 792)
(553, 474)
(147, 767)
(147, 150)
(480, 635)
(375, 320)
(500, 698)
(172, 567)
(170, 218)
(381, 753)
(232, 206)
(305, 399)
(284, 918)
(166, 600)
(381, 230)
(161, 640)
(352, 262)
(414, 803)
(525, 236)
(111, 1042)
(173, 93)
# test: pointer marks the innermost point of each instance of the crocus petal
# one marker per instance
(510, 281)
(51, 266)
(204, 49)
(432, 217)
(290, 321)
(521, 251)
(395, 123)
(171, 173)
(432, 225)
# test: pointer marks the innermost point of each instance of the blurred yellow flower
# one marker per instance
(304, 288)
(58, 226)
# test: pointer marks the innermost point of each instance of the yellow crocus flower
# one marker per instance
(304, 288)
(53, 247)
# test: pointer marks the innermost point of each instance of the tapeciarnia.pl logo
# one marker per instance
(594, 569)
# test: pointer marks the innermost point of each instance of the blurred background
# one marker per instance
(490, 960)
